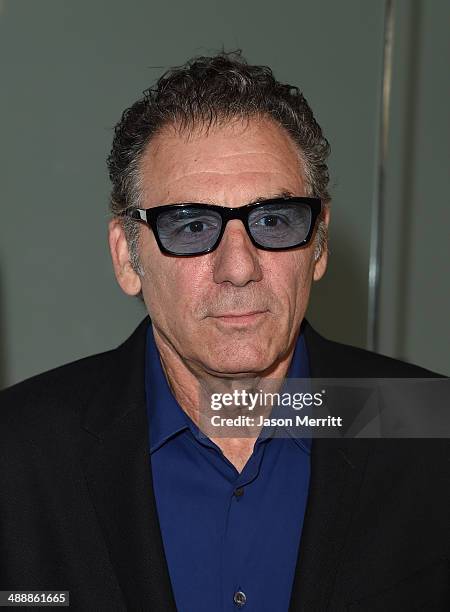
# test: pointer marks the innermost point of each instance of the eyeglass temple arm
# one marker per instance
(135, 213)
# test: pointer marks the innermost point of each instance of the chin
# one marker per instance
(235, 362)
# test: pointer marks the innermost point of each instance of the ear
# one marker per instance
(320, 265)
(127, 278)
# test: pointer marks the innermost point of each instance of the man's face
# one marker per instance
(238, 309)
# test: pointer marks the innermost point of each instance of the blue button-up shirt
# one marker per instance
(231, 539)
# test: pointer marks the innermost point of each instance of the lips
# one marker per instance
(239, 314)
(241, 318)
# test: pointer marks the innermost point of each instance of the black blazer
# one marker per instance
(78, 513)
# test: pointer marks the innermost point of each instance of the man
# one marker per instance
(111, 491)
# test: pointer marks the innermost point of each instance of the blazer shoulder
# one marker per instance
(61, 391)
(62, 395)
(386, 366)
(337, 359)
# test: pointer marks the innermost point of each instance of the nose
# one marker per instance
(236, 259)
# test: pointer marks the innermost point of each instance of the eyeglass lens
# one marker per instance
(192, 230)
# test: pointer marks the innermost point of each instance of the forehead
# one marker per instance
(230, 163)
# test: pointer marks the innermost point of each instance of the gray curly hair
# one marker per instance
(207, 91)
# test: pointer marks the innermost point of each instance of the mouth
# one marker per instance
(244, 318)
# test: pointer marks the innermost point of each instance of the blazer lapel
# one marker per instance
(119, 479)
(337, 469)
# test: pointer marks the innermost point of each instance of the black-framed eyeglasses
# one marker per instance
(188, 229)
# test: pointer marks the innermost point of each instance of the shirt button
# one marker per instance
(240, 598)
(239, 492)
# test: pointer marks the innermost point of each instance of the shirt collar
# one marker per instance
(166, 415)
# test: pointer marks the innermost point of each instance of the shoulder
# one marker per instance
(70, 386)
(335, 359)
(58, 394)
(56, 402)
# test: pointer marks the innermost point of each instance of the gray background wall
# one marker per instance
(68, 69)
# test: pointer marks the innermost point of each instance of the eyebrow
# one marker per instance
(280, 194)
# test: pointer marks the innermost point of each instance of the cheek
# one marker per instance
(290, 273)
(171, 285)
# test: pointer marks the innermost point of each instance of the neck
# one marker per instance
(193, 386)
